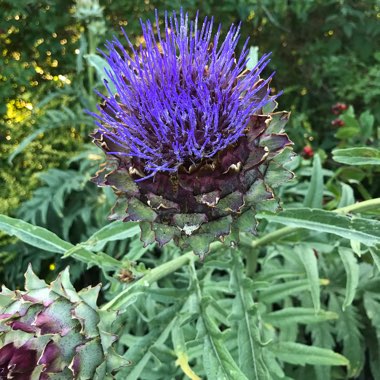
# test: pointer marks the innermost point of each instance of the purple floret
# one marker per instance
(182, 97)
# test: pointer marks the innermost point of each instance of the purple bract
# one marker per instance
(17, 362)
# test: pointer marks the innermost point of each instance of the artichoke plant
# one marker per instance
(193, 146)
(52, 332)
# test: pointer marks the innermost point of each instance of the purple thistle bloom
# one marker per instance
(182, 98)
(193, 146)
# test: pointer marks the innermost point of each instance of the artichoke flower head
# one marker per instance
(193, 148)
(50, 332)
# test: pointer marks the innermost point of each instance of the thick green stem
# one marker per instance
(268, 238)
(152, 276)
(251, 265)
(360, 206)
(286, 231)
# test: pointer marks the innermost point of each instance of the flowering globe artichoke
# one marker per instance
(193, 148)
(53, 332)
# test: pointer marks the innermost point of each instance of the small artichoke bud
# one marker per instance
(192, 144)
(52, 332)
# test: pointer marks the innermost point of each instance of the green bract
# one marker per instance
(52, 332)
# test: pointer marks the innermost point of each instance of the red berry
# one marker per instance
(308, 152)
(343, 106)
(338, 108)
(337, 123)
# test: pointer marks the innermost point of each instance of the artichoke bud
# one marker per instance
(52, 332)
(193, 146)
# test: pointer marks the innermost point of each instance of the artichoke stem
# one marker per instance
(251, 262)
(152, 276)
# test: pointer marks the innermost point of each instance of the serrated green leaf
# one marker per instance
(322, 336)
(114, 231)
(293, 315)
(310, 262)
(178, 337)
(278, 292)
(373, 344)
(366, 231)
(51, 196)
(162, 353)
(100, 259)
(357, 156)
(250, 352)
(181, 350)
(36, 236)
(372, 307)
(351, 267)
(348, 333)
(356, 247)
(347, 197)
(301, 354)
(375, 257)
(44, 239)
(140, 354)
(314, 193)
(218, 362)
(166, 295)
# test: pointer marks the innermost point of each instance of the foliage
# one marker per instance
(301, 299)
(253, 324)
